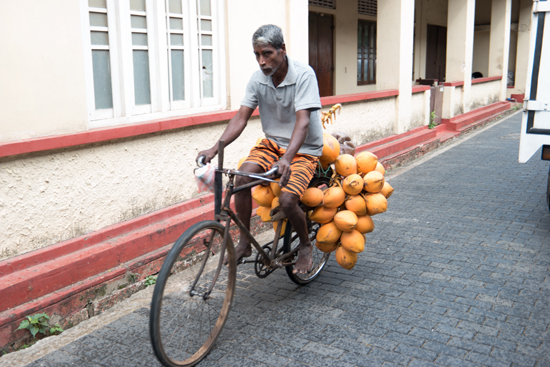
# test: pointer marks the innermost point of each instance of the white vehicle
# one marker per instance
(535, 124)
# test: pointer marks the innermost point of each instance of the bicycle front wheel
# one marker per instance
(192, 296)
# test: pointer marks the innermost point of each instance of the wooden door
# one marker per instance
(320, 50)
(436, 52)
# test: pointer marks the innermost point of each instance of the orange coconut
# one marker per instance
(260, 210)
(374, 181)
(328, 233)
(353, 241)
(345, 165)
(334, 197)
(275, 203)
(331, 150)
(265, 214)
(364, 224)
(322, 214)
(345, 220)
(353, 184)
(326, 247)
(313, 197)
(275, 187)
(376, 203)
(380, 168)
(366, 162)
(263, 195)
(283, 227)
(345, 258)
(387, 190)
(356, 204)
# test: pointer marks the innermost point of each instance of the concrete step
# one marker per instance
(459, 122)
(399, 143)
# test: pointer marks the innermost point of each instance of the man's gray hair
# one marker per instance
(268, 34)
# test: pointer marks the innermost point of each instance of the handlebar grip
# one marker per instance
(200, 161)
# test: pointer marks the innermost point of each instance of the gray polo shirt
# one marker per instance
(278, 106)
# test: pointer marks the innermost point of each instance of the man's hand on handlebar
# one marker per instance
(208, 155)
(284, 170)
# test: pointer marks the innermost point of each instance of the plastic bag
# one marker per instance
(204, 176)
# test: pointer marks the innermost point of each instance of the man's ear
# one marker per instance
(283, 48)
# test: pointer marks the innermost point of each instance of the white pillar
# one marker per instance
(394, 39)
(460, 44)
(499, 45)
(522, 51)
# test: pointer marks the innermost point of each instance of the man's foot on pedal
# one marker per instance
(241, 251)
(304, 262)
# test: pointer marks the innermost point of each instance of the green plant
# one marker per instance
(38, 323)
(150, 280)
(132, 277)
(517, 107)
(432, 123)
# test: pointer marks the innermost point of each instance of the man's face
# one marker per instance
(269, 58)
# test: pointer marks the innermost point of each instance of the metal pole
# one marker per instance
(218, 180)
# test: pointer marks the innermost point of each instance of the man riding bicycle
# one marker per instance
(287, 95)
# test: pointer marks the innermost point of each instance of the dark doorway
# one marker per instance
(320, 50)
(436, 52)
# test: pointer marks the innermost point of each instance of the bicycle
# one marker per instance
(189, 308)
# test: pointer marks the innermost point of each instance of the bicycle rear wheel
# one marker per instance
(291, 242)
(186, 319)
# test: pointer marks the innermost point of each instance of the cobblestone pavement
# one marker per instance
(455, 274)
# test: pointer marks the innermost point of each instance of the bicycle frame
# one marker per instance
(223, 211)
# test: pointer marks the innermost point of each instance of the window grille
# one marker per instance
(367, 7)
(323, 3)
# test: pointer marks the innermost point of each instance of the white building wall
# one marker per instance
(42, 89)
(483, 94)
(47, 198)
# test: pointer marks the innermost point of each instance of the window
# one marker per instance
(366, 52)
(152, 58)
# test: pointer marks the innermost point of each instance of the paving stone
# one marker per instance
(359, 360)
(444, 349)
(486, 360)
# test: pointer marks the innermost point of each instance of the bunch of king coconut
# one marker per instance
(267, 198)
(357, 192)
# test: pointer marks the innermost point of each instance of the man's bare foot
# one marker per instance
(304, 262)
(241, 251)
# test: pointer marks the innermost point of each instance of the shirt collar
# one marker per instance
(290, 77)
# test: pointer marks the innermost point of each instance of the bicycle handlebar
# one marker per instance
(271, 172)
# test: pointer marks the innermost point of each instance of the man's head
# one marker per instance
(269, 48)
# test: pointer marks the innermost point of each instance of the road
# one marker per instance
(455, 274)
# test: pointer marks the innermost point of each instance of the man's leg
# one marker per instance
(289, 203)
(243, 205)
(302, 170)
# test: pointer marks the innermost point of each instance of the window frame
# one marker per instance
(361, 52)
(124, 110)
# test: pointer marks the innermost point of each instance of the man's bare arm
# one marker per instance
(233, 130)
(296, 140)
